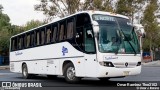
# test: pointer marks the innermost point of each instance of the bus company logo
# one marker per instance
(18, 53)
(64, 50)
(126, 64)
(110, 58)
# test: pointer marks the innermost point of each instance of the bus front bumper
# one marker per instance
(118, 72)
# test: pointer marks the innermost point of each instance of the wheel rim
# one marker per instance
(24, 72)
(71, 73)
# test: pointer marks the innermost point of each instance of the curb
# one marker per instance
(152, 64)
(4, 67)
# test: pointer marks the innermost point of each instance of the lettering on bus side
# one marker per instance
(110, 57)
(18, 53)
(64, 50)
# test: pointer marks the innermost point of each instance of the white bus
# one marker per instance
(86, 44)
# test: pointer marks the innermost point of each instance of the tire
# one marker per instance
(69, 74)
(52, 76)
(25, 72)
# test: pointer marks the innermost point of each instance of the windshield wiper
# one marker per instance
(129, 42)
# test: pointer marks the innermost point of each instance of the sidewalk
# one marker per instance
(4, 67)
(152, 64)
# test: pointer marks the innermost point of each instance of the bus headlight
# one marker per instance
(107, 64)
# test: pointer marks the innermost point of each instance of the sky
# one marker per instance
(21, 11)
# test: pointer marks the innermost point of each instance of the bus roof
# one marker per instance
(90, 12)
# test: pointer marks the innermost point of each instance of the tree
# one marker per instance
(32, 24)
(102, 5)
(151, 26)
(1, 8)
(61, 8)
(4, 42)
(129, 7)
(7, 30)
(4, 20)
(4, 32)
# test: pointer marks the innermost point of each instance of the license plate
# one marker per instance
(126, 73)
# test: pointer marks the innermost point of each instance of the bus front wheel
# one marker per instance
(25, 72)
(70, 73)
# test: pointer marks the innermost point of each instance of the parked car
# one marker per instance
(147, 57)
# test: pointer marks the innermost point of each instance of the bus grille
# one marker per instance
(125, 65)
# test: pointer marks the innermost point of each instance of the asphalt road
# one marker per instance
(149, 74)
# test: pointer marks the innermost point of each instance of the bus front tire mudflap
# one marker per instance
(25, 73)
(69, 73)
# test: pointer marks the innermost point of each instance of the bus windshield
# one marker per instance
(116, 35)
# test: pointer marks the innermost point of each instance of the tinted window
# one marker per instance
(82, 19)
(28, 40)
(70, 28)
(42, 36)
(62, 31)
(32, 39)
(54, 32)
(48, 34)
(14, 44)
(37, 38)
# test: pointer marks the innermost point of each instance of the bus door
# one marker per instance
(90, 51)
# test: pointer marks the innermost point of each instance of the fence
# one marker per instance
(4, 60)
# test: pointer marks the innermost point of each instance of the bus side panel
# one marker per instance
(78, 64)
(47, 59)
(16, 67)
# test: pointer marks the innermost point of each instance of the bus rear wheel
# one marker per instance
(69, 73)
(25, 72)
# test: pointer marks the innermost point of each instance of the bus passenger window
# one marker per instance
(22, 42)
(13, 44)
(42, 37)
(61, 34)
(48, 35)
(32, 39)
(54, 33)
(19, 42)
(70, 30)
(37, 38)
(79, 37)
(28, 40)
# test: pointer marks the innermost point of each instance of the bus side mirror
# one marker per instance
(95, 28)
(141, 33)
(144, 35)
